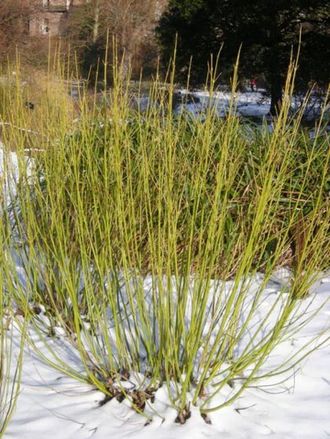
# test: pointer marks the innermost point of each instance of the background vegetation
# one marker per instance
(144, 30)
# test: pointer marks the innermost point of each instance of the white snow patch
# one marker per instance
(54, 406)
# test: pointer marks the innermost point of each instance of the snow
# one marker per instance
(53, 405)
(10, 162)
(250, 104)
(253, 104)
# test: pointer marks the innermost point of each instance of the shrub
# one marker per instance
(128, 227)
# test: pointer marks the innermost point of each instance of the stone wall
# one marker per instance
(48, 24)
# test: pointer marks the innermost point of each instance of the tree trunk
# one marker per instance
(276, 81)
(276, 94)
(96, 21)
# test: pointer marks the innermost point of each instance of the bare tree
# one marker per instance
(14, 24)
(130, 22)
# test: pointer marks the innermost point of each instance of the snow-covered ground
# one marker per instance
(54, 406)
(247, 104)
(254, 104)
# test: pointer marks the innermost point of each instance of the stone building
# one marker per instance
(50, 17)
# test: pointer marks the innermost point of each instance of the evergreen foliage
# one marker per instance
(267, 30)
